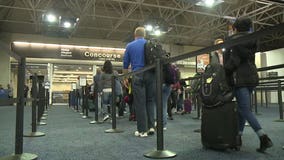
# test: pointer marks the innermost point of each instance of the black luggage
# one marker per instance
(219, 127)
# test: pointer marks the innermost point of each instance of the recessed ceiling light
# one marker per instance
(66, 24)
(209, 3)
(51, 18)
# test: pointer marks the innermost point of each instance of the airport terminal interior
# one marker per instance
(52, 51)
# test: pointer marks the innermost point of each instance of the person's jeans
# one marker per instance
(144, 87)
(180, 102)
(107, 101)
(166, 93)
(243, 96)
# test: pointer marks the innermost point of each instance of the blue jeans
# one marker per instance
(166, 93)
(144, 101)
(243, 96)
(107, 101)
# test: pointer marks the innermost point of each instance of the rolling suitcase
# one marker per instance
(187, 106)
(219, 127)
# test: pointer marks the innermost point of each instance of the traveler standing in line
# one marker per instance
(144, 84)
(242, 72)
(118, 96)
(217, 56)
(10, 91)
(98, 88)
(26, 91)
(106, 89)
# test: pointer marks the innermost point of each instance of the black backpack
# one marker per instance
(171, 73)
(153, 50)
(214, 89)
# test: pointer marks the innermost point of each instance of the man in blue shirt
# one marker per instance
(143, 84)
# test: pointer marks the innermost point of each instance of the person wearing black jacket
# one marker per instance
(242, 75)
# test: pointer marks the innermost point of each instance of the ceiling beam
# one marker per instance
(173, 8)
(131, 9)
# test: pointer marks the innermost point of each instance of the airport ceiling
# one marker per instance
(189, 24)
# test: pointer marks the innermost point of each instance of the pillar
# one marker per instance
(5, 69)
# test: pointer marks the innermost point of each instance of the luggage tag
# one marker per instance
(209, 80)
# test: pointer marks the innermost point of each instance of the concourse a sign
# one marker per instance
(44, 50)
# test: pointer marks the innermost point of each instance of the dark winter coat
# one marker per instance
(240, 63)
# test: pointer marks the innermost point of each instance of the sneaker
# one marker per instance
(106, 118)
(151, 131)
(136, 133)
(144, 134)
(265, 142)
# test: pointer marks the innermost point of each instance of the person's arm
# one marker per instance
(126, 60)
(232, 61)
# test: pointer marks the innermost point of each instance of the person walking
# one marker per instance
(242, 75)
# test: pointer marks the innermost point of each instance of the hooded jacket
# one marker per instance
(239, 63)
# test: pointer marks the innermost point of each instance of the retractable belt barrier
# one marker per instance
(5, 101)
(160, 152)
(226, 44)
(268, 85)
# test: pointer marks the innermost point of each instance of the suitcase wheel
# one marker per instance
(238, 148)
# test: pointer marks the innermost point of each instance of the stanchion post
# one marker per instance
(251, 102)
(19, 155)
(77, 99)
(34, 132)
(261, 97)
(160, 152)
(198, 107)
(280, 102)
(113, 109)
(96, 121)
(199, 104)
(20, 107)
(266, 98)
(82, 104)
(255, 101)
(34, 96)
(38, 103)
(47, 99)
(86, 102)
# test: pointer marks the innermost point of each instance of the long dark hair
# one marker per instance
(107, 68)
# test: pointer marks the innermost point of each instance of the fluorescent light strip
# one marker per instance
(69, 46)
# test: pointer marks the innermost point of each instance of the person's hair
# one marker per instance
(99, 70)
(140, 32)
(107, 68)
(242, 24)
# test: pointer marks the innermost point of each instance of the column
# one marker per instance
(5, 69)
(49, 78)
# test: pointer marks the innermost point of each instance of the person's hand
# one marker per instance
(179, 91)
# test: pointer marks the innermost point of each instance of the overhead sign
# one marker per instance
(83, 81)
(43, 50)
(47, 85)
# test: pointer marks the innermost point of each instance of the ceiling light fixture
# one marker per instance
(51, 18)
(157, 32)
(149, 27)
(209, 3)
(156, 26)
(66, 24)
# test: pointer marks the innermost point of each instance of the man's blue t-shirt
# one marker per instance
(134, 54)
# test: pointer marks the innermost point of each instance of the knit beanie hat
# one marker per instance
(243, 24)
